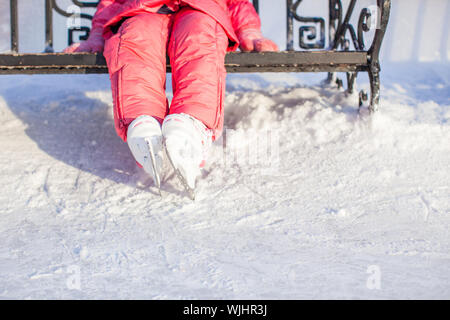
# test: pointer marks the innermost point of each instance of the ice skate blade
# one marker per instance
(157, 179)
(187, 188)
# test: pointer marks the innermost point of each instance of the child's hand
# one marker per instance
(94, 43)
(253, 40)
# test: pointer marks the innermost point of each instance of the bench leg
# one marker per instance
(351, 78)
(374, 76)
(333, 79)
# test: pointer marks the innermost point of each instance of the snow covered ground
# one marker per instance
(357, 207)
(350, 195)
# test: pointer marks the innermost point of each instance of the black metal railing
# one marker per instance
(338, 27)
(312, 33)
(50, 6)
(14, 17)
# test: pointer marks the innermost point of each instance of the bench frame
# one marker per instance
(346, 51)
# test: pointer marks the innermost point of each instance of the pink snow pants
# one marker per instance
(136, 55)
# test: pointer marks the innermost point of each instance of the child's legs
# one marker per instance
(136, 58)
(197, 51)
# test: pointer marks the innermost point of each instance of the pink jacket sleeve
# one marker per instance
(243, 15)
(104, 13)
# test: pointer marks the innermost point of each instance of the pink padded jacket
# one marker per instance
(233, 15)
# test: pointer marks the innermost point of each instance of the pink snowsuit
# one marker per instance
(195, 34)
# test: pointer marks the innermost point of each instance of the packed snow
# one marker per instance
(304, 197)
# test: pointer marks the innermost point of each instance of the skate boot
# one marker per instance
(187, 141)
(144, 138)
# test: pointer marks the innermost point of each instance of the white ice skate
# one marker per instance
(187, 141)
(144, 139)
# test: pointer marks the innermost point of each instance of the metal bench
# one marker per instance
(346, 50)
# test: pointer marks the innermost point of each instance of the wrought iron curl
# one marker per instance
(340, 28)
(78, 3)
(72, 30)
(364, 25)
(342, 33)
(309, 32)
(86, 4)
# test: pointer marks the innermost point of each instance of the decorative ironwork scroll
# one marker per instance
(364, 25)
(309, 32)
(72, 30)
(342, 34)
(52, 5)
(76, 29)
